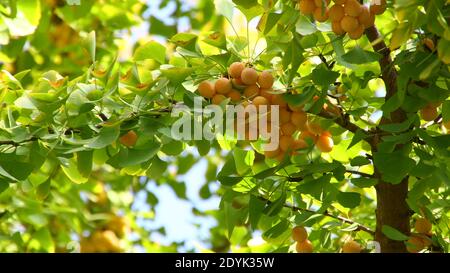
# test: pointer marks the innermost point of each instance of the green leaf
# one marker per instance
(243, 160)
(43, 189)
(358, 136)
(176, 74)
(157, 168)
(446, 111)
(217, 39)
(349, 199)
(70, 168)
(203, 147)
(173, 148)
(84, 162)
(251, 12)
(393, 166)
(186, 40)
(359, 161)
(309, 41)
(131, 157)
(246, 3)
(224, 8)
(151, 50)
(357, 55)
(393, 233)
(322, 76)
(272, 20)
(228, 175)
(364, 182)
(41, 241)
(315, 187)
(276, 206)
(399, 127)
(106, 136)
(31, 9)
(256, 207)
(277, 230)
(299, 99)
(4, 185)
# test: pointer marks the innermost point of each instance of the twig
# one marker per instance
(325, 213)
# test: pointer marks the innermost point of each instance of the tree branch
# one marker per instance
(325, 213)
(360, 173)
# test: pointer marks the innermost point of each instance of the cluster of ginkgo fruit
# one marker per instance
(300, 235)
(421, 240)
(346, 16)
(245, 86)
(107, 239)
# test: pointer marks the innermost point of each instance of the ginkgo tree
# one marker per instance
(362, 90)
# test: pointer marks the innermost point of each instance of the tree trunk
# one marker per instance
(392, 208)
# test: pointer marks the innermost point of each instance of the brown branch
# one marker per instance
(325, 213)
(360, 173)
(343, 120)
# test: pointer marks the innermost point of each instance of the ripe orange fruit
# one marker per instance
(237, 82)
(251, 91)
(337, 28)
(353, 8)
(415, 244)
(299, 119)
(288, 129)
(223, 86)
(286, 142)
(429, 44)
(299, 234)
(249, 76)
(235, 69)
(217, 99)
(265, 80)
(206, 89)
(423, 226)
(299, 144)
(272, 154)
(336, 13)
(304, 247)
(234, 95)
(325, 144)
(351, 246)
(259, 100)
(429, 113)
(366, 18)
(307, 7)
(378, 7)
(285, 115)
(446, 125)
(266, 93)
(305, 135)
(357, 33)
(295, 108)
(321, 15)
(349, 23)
(277, 99)
(129, 139)
(315, 128)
